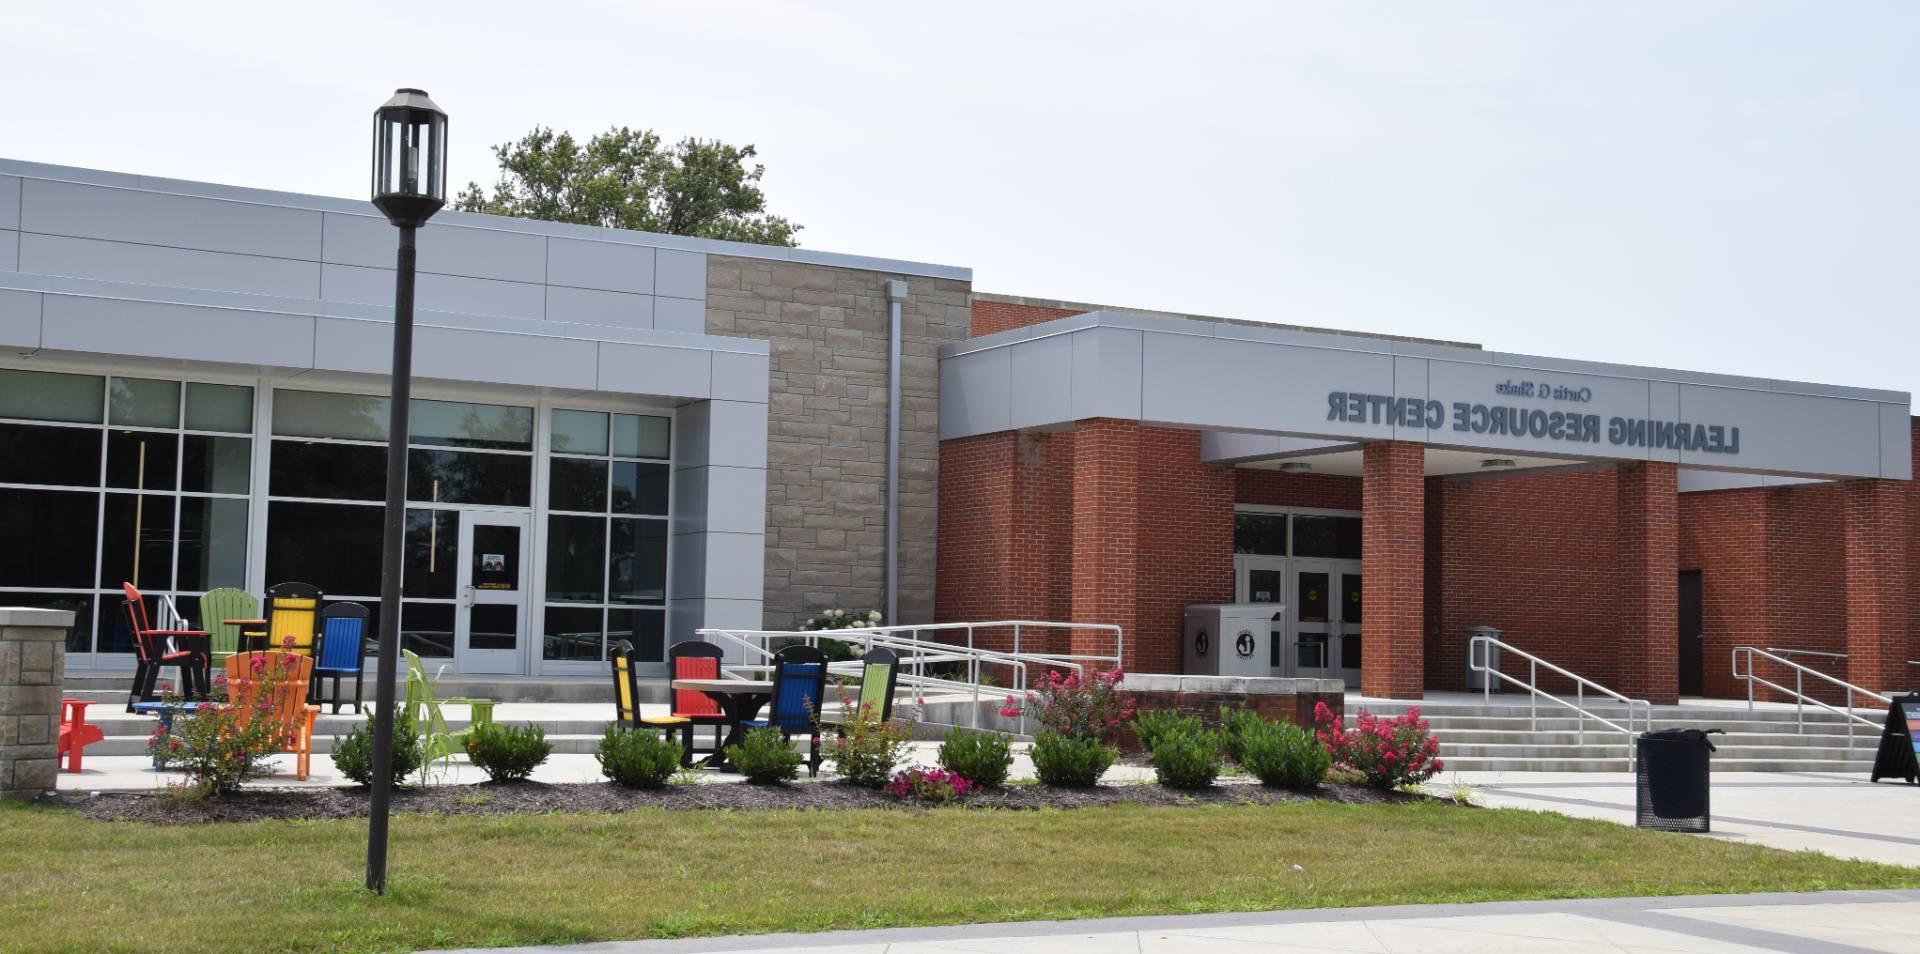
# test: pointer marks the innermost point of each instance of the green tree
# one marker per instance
(624, 178)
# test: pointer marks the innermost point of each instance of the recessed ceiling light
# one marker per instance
(1497, 463)
(1295, 467)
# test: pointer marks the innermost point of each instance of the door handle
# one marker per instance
(466, 596)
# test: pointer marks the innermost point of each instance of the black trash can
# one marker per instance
(1671, 770)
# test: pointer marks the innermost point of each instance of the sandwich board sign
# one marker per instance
(1899, 754)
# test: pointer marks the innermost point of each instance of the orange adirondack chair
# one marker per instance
(289, 709)
(76, 732)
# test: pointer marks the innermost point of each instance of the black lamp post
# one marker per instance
(409, 185)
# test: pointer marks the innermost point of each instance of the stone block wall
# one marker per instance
(33, 649)
(827, 427)
(1273, 698)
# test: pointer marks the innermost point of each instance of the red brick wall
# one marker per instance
(1723, 534)
(1111, 522)
(1647, 511)
(1533, 557)
(1393, 559)
(1876, 582)
(1274, 488)
(990, 317)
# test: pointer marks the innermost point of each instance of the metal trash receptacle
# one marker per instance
(1672, 769)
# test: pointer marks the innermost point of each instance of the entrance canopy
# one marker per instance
(1268, 394)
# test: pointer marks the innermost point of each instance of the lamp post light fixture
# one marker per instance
(409, 186)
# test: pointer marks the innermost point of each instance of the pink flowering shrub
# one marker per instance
(1386, 753)
(1076, 705)
(938, 786)
(223, 745)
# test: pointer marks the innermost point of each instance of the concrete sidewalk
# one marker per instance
(1842, 815)
(1838, 922)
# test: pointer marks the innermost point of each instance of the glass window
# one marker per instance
(327, 414)
(141, 460)
(645, 629)
(336, 547)
(1311, 593)
(46, 396)
(461, 477)
(80, 637)
(1350, 598)
(579, 432)
(50, 455)
(220, 407)
(457, 424)
(47, 537)
(427, 629)
(576, 561)
(136, 541)
(1260, 533)
(641, 436)
(640, 488)
(493, 626)
(496, 558)
(213, 544)
(216, 465)
(139, 402)
(1263, 586)
(329, 471)
(637, 562)
(433, 545)
(578, 485)
(572, 632)
(1336, 537)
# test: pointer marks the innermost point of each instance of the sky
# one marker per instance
(1713, 186)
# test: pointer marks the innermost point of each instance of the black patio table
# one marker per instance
(739, 700)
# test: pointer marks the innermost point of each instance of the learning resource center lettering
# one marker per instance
(1517, 421)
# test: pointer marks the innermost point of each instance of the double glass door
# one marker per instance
(1317, 634)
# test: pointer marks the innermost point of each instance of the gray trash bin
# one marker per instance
(1477, 680)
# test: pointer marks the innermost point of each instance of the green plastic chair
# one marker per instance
(221, 604)
(879, 673)
(437, 742)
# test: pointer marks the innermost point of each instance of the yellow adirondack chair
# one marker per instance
(293, 717)
(293, 617)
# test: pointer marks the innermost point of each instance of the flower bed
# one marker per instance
(532, 797)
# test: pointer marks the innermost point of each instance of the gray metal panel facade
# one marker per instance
(1227, 377)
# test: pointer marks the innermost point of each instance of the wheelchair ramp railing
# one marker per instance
(1639, 712)
(976, 662)
(1799, 689)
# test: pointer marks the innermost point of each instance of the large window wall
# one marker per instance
(107, 479)
(607, 530)
(181, 486)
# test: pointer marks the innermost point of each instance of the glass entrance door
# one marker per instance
(491, 620)
(1326, 616)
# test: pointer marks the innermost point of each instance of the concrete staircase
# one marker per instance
(1476, 736)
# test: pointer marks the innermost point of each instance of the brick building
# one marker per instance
(627, 436)
(1632, 525)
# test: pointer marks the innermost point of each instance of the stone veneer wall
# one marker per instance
(33, 650)
(1271, 697)
(827, 426)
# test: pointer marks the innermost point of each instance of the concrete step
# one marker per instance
(1481, 764)
(1836, 740)
(568, 744)
(1523, 724)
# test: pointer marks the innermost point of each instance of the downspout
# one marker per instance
(896, 296)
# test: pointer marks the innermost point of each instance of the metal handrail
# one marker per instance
(918, 653)
(1479, 659)
(1799, 694)
(1805, 652)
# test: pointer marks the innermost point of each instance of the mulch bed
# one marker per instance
(489, 798)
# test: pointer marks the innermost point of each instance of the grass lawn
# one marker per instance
(69, 884)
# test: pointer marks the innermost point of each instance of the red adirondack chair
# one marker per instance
(156, 649)
(76, 732)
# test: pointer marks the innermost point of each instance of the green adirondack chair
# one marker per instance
(225, 603)
(437, 742)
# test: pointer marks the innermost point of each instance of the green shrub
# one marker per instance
(353, 753)
(637, 758)
(1155, 724)
(1284, 755)
(1187, 759)
(1071, 761)
(508, 753)
(983, 758)
(765, 757)
(1234, 725)
(866, 748)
